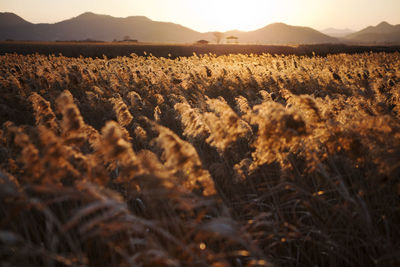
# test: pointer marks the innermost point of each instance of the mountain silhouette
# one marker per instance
(12, 26)
(96, 27)
(107, 28)
(383, 33)
(280, 33)
(10, 19)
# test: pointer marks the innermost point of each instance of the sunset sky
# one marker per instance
(219, 15)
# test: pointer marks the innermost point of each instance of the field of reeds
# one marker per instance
(237, 160)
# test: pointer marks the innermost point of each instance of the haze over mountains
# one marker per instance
(381, 33)
(107, 28)
(337, 32)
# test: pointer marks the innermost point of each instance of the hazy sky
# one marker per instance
(219, 15)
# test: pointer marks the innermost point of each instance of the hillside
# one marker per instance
(98, 27)
(107, 28)
(383, 33)
(10, 19)
(280, 33)
(14, 27)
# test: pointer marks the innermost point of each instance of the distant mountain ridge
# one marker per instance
(281, 33)
(91, 26)
(107, 28)
(95, 27)
(383, 33)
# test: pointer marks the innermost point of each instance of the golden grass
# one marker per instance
(238, 160)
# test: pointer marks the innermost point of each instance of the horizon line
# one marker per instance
(209, 31)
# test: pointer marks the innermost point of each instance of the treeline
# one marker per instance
(116, 49)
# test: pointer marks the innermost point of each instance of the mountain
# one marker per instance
(97, 27)
(10, 19)
(107, 28)
(383, 33)
(11, 24)
(280, 33)
(337, 32)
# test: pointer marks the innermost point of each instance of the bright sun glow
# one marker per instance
(223, 15)
(218, 15)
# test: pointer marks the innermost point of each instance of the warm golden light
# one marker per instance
(202, 246)
(218, 15)
(224, 15)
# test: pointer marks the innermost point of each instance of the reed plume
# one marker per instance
(44, 115)
(122, 113)
(225, 125)
(182, 158)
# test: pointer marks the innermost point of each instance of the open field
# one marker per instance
(239, 160)
(112, 50)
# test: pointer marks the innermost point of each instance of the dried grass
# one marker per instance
(238, 160)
